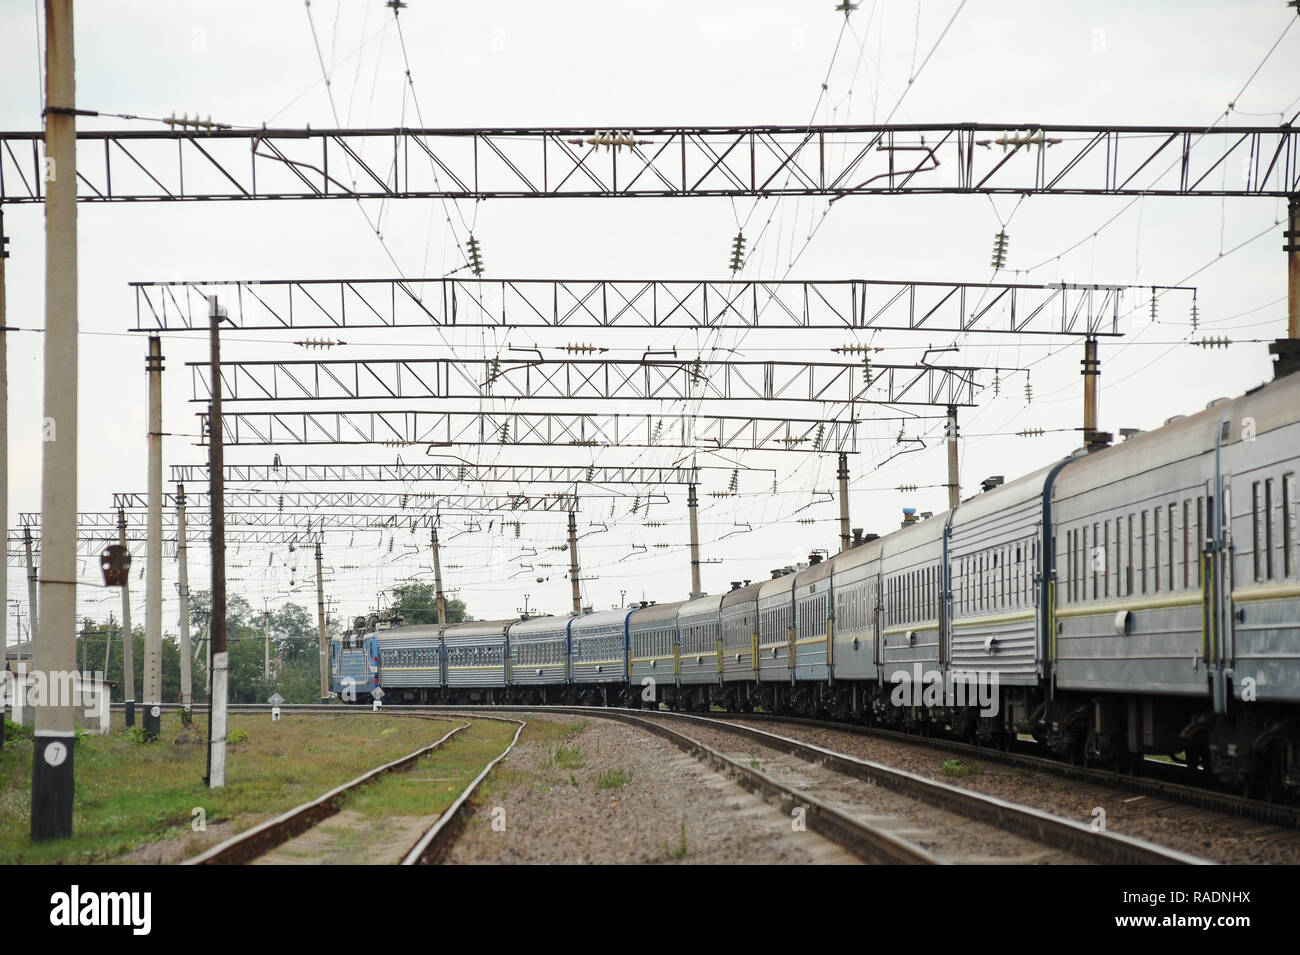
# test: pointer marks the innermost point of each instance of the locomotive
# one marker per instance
(1131, 599)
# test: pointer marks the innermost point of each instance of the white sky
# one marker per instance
(621, 64)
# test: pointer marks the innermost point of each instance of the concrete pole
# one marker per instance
(183, 575)
(4, 444)
(266, 645)
(153, 559)
(437, 580)
(324, 639)
(218, 657)
(32, 620)
(55, 651)
(573, 562)
(1091, 370)
(846, 540)
(954, 472)
(108, 644)
(128, 641)
(692, 507)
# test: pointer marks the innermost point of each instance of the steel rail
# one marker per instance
(261, 839)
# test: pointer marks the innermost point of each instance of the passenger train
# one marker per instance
(1141, 598)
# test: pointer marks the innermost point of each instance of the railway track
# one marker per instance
(1276, 814)
(1171, 791)
(260, 841)
(874, 836)
(1157, 797)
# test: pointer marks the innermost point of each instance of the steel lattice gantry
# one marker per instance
(418, 473)
(1015, 158)
(415, 502)
(596, 379)
(398, 428)
(91, 541)
(861, 304)
(311, 521)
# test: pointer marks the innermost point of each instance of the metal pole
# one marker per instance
(1091, 369)
(1292, 248)
(437, 580)
(692, 505)
(128, 636)
(54, 652)
(218, 659)
(153, 559)
(32, 620)
(320, 622)
(843, 474)
(954, 473)
(573, 562)
(183, 575)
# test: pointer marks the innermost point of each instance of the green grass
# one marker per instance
(675, 851)
(567, 757)
(129, 794)
(436, 780)
(613, 778)
(955, 767)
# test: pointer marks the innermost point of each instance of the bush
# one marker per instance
(236, 735)
(955, 767)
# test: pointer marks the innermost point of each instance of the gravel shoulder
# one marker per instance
(598, 792)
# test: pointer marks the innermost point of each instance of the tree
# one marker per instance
(296, 634)
(418, 603)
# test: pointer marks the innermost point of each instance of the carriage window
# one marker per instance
(1288, 525)
(1254, 526)
(1268, 528)
(1155, 549)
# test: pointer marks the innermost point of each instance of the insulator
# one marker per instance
(404, 499)
(591, 472)
(1196, 314)
(791, 441)
(773, 483)
(997, 382)
(1000, 243)
(1029, 393)
(697, 370)
(475, 254)
(280, 503)
(580, 348)
(652, 524)
(505, 433)
(663, 546)
(612, 139)
(806, 520)
(659, 429)
(737, 253)
(735, 480)
(460, 475)
(1153, 305)
(636, 503)
(518, 529)
(390, 545)
(1031, 433)
(866, 370)
(817, 443)
(908, 488)
(1212, 342)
